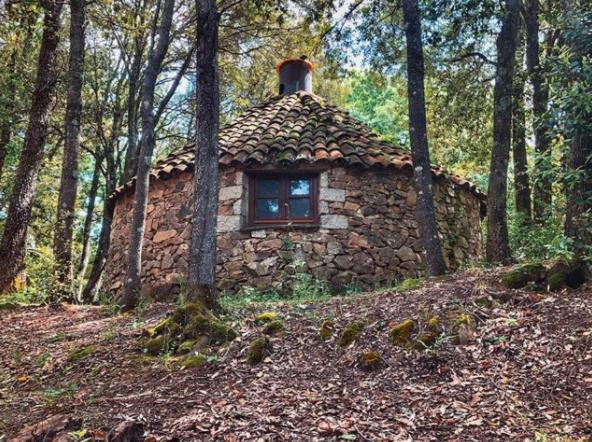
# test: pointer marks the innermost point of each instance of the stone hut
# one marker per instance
(304, 188)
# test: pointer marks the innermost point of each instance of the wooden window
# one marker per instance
(283, 198)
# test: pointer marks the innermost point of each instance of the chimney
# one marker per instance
(295, 75)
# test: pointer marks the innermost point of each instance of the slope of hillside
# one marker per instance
(524, 370)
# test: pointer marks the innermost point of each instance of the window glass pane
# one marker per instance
(300, 208)
(300, 186)
(267, 187)
(267, 208)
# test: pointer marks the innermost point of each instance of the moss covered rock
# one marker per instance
(401, 333)
(260, 348)
(434, 324)
(326, 330)
(194, 361)
(157, 345)
(463, 326)
(187, 346)
(350, 334)
(570, 274)
(370, 360)
(521, 276)
(187, 327)
(273, 327)
(201, 325)
(425, 340)
(265, 317)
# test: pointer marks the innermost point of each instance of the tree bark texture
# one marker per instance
(62, 248)
(578, 216)
(542, 193)
(497, 246)
(425, 209)
(13, 245)
(7, 119)
(521, 180)
(132, 284)
(131, 154)
(202, 251)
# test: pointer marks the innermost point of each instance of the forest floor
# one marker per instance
(525, 374)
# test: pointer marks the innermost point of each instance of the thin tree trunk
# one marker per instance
(131, 154)
(425, 211)
(90, 289)
(90, 209)
(521, 180)
(6, 125)
(62, 247)
(498, 247)
(540, 96)
(133, 284)
(13, 245)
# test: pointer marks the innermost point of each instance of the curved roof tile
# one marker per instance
(296, 128)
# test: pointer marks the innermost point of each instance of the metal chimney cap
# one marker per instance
(302, 59)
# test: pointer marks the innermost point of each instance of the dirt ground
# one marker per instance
(525, 373)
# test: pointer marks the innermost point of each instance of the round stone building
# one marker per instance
(304, 188)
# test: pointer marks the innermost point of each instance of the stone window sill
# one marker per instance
(281, 226)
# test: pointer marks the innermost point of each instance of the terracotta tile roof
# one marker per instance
(295, 129)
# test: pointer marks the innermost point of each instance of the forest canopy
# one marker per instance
(358, 49)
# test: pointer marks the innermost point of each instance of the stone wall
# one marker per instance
(367, 234)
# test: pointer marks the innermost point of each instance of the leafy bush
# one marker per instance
(534, 242)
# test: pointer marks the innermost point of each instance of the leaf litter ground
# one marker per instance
(525, 374)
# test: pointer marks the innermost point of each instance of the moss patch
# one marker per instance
(370, 360)
(8, 305)
(521, 276)
(260, 348)
(76, 354)
(350, 334)
(408, 285)
(463, 325)
(273, 327)
(194, 361)
(185, 328)
(156, 345)
(186, 346)
(266, 317)
(400, 334)
(326, 330)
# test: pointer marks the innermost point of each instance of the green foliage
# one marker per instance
(379, 102)
(536, 242)
(76, 354)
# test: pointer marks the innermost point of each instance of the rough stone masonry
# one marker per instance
(367, 234)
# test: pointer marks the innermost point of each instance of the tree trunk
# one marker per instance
(90, 289)
(90, 209)
(13, 245)
(578, 216)
(425, 211)
(498, 247)
(540, 97)
(6, 125)
(133, 284)
(131, 154)
(62, 248)
(521, 181)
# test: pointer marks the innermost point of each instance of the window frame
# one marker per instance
(284, 178)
